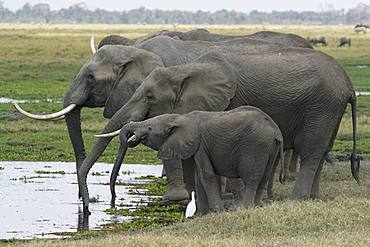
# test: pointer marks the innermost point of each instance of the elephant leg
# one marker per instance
(306, 176)
(188, 168)
(312, 147)
(293, 163)
(252, 169)
(315, 191)
(223, 184)
(287, 156)
(176, 187)
(268, 176)
(270, 184)
(249, 195)
(202, 201)
(209, 180)
(237, 188)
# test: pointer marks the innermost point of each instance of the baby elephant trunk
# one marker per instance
(117, 164)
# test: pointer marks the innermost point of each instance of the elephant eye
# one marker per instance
(149, 128)
(150, 97)
(90, 77)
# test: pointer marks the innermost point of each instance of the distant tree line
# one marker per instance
(79, 13)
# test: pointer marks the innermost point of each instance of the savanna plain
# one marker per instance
(39, 62)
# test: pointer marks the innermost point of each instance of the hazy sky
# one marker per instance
(206, 5)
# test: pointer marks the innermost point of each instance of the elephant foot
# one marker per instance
(176, 194)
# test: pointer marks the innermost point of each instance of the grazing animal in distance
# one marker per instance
(360, 30)
(344, 41)
(317, 40)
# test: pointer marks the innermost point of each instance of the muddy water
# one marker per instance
(37, 205)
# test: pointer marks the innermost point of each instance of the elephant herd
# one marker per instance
(213, 105)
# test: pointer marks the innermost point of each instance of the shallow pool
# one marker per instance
(38, 199)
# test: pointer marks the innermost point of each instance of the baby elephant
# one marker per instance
(241, 143)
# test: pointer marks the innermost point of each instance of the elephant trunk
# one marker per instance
(118, 120)
(73, 121)
(117, 164)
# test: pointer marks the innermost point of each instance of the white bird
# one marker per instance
(191, 208)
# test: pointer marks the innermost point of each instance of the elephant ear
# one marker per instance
(183, 140)
(132, 68)
(207, 84)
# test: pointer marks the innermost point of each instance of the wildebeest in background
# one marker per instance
(344, 41)
(362, 25)
(317, 40)
(360, 30)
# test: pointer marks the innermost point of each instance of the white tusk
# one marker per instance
(92, 45)
(58, 118)
(53, 116)
(115, 133)
(133, 138)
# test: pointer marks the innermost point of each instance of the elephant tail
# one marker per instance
(355, 160)
(281, 154)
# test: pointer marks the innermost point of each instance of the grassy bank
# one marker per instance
(39, 62)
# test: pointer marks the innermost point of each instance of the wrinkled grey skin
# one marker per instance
(286, 39)
(241, 143)
(110, 77)
(317, 40)
(304, 91)
(344, 41)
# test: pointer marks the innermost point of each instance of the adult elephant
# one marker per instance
(110, 77)
(286, 39)
(304, 91)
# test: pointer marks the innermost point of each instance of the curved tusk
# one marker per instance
(58, 118)
(115, 133)
(53, 116)
(92, 45)
(133, 138)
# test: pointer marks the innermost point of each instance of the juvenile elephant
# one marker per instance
(240, 143)
(304, 91)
